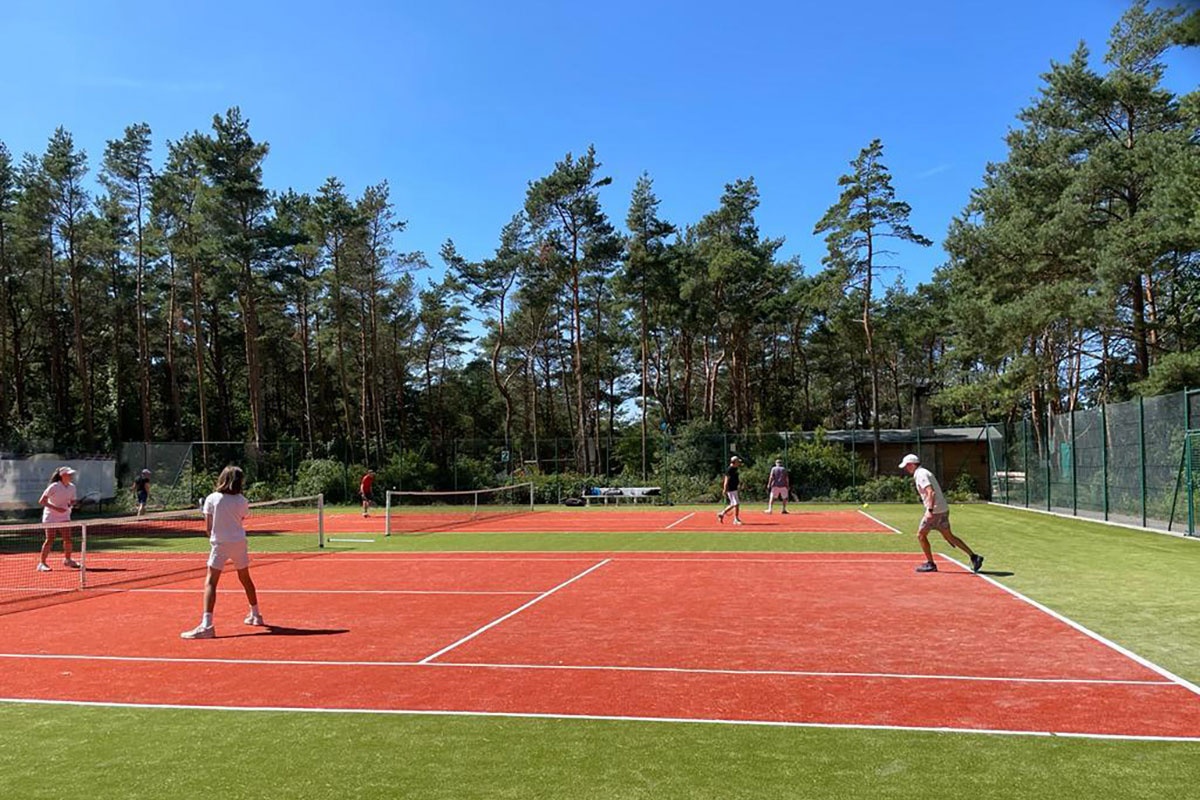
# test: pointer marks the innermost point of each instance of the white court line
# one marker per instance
(339, 539)
(773, 673)
(1191, 687)
(639, 532)
(681, 519)
(609, 718)
(1113, 523)
(514, 612)
(328, 591)
(881, 522)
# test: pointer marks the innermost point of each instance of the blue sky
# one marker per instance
(458, 105)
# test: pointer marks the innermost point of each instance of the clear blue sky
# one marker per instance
(458, 105)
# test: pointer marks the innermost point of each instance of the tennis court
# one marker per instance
(806, 639)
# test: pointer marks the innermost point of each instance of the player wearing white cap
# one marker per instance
(57, 501)
(729, 485)
(937, 515)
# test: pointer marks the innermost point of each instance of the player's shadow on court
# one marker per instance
(283, 630)
(991, 573)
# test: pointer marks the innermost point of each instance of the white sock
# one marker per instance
(206, 620)
(254, 610)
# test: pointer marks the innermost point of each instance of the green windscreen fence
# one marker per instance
(1132, 462)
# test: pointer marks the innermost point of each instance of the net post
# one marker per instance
(83, 537)
(387, 512)
(321, 520)
(531, 496)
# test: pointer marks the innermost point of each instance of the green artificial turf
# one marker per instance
(1138, 589)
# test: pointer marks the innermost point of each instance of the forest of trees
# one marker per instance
(186, 300)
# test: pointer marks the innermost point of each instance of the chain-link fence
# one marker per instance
(1122, 462)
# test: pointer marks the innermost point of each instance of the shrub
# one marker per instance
(322, 476)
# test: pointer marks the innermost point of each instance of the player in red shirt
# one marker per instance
(364, 490)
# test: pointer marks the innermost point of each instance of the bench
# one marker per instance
(632, 494)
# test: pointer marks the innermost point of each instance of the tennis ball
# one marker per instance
(866, 505)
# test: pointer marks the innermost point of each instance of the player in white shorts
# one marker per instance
(729, 485)
(224, 511)
(779, 486)
(57, 502)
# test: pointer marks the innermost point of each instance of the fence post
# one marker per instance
(1104, 454)
(1074, 469)
(1142, 454)
(1049, 457)
(1190, 461)
(1025, 457)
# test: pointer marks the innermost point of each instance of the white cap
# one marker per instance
(66, 471)
(145, 472)
(911, 458)
(732, 459)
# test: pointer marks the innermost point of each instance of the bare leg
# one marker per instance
(47, 546)
(957, 542)
(210, 589)
(248, 585)
(923, 538)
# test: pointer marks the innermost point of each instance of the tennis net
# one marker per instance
(123, 551)
(432, 512)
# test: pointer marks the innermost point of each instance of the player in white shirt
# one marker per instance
(57, 502)
(937, 515)
(224, 511)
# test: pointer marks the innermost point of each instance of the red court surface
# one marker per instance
(612, 520)
(839, 639)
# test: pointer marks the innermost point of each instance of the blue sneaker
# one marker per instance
(976, 563)
(928, 566)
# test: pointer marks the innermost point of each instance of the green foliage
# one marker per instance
(1173, 373)
(408, 470)
(884, 489)
(323, 476)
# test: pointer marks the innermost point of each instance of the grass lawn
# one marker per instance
(1137, 589)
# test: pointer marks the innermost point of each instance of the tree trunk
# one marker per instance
(198, 347)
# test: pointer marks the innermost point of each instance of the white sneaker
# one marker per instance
(768, 511)
(70, 563)
(737, 522)
(43, 567)
(200, 632)
(254, 619)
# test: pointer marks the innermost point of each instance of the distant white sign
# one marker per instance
(23, 480)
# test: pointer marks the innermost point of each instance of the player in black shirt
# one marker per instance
(141, 485)
(730, 487)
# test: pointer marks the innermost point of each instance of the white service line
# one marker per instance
(607, 718)
(681, 519)
(881, 522)
(774, 673)
(514, 612)
(1191, 687)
